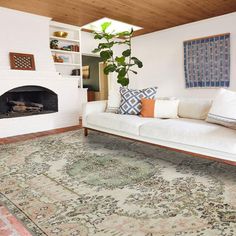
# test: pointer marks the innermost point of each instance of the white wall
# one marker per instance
(25, 33)
(162, 55)
(28, 33)
(88, 43)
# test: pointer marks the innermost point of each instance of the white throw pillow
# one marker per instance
(223, 110)
(167, 109)
(194, 108)
(113, 102)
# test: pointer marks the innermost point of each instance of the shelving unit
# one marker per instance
(65, 39)
(71, 59)
(64, 51)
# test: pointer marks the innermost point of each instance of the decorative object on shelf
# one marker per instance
(74, 48)
(66, 48)
(61, 34)
(22, 61)
(65, 59)
(86, 72)
(75, 72)
(207, 61)
(58, 59)
(120, 64)
(54, 44)
(66, 56)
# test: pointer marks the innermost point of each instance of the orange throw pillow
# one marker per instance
(148, 106)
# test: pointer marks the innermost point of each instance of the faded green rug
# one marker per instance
(102, 185)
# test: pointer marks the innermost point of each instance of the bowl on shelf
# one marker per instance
(61, 34)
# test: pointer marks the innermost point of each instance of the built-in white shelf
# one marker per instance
(66, 64)
(64, 51)
(64, 39)
(73, 59)
(72, 76)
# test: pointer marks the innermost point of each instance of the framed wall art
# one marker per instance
(86, 72)
(207, 62)
(21, 61)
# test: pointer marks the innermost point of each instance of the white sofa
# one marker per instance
(186, 134)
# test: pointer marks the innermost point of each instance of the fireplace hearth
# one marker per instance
(28, 100)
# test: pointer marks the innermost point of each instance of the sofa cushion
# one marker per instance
(131, 99)
(223, 110)
(157, 108)
(123, 123)
(194, 108)
(191, 132)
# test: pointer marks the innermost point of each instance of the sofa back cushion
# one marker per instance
(166, 109)
(131, 99)
(194, 108)
(223, 110)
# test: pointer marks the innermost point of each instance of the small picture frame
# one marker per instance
(21, 61)
(86, 72)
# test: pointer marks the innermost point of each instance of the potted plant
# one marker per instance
(122, 64)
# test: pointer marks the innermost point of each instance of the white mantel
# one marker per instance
(27, 33)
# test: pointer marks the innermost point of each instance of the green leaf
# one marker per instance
(105, 25)
(105, 45)
(127, 42)
(122, 72)
(96, 50)
(105, 55)
(137, 62)
(124, 34)
(109, 36)
(126, 53)
(109, 68)
(123, 81)
(98, 36)
(120, 60)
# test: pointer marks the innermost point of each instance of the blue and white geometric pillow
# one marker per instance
(131, 99)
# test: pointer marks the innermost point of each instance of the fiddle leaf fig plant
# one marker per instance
(122, 64)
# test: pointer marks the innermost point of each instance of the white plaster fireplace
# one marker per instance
(27, 33)
(69, 103)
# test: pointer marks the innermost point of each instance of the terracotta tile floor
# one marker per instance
(24, 137)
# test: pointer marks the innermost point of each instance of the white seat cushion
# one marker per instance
(191, 132)
(123, 123)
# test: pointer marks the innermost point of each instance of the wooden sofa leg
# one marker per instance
(85, 132)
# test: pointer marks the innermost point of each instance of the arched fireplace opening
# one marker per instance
(28, 100)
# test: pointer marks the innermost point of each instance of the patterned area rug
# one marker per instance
(102, 185)
(9, 225)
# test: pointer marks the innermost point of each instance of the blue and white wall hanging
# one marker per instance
(207, 62)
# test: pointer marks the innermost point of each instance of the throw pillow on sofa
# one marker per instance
(223, 110)
(113, 102)
(160, 108)
(194, 108)
(131, 99)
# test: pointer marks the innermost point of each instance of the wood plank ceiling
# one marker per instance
(152, 15)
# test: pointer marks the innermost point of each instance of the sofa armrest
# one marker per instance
(92, 107)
